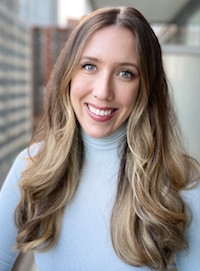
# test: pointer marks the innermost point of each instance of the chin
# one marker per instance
(96, 133)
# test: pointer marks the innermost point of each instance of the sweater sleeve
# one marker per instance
(9, 197)
(190, 259)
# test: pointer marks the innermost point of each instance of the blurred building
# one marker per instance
(184, 27)
(47, 44)
(15, 85)
(39, 13)
(47, 41)
(12, 5)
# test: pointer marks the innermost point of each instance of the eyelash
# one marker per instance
(130, 74)
(93, 68)
(85, 65)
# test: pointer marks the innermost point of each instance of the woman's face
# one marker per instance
(105, 84)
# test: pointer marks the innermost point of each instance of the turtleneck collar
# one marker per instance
(107, 143)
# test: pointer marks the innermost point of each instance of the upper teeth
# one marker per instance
(99, 112)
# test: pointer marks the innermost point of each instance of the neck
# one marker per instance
(110, 142)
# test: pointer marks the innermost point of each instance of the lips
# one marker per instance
(100, 112)
(105, 113)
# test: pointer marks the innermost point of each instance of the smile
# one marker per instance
(99, 112)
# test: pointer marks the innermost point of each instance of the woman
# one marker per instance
(106, 186)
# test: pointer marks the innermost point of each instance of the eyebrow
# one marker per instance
(120, 63)
(129, 64)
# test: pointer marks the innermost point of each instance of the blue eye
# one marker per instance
(126, 74)
(89, 67)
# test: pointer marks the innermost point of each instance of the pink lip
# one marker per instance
(100, 118)
(101, 107)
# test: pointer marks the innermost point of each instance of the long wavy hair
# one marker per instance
(149, 217)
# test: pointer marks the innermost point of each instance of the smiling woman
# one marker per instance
(105, 85)
(106, 183)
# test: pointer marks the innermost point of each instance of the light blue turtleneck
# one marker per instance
(85, 243)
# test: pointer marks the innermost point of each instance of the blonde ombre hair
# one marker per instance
(149, 216)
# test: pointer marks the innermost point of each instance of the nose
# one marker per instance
(103, 87)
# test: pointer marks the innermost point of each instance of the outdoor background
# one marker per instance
(33, 32)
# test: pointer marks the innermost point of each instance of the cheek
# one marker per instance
(75, 90)
(79, 87)
(74, 96)
(129, 99)
(129, 94)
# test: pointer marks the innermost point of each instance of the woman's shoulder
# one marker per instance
(191, 197)
(20, 164)
(190, 259)
(192, 193)
(23, 157)
(29, 152)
